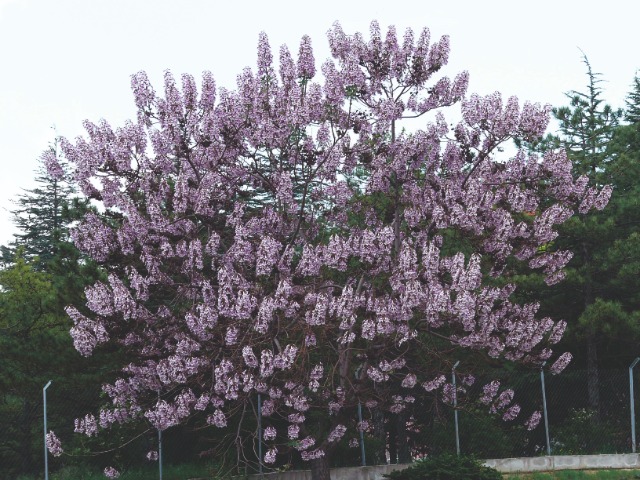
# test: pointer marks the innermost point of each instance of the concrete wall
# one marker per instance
(504, 465)
(566, 462)
(343, 473)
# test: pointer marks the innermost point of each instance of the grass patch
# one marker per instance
(169, 472)
(578, 475)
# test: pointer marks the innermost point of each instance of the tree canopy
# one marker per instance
(290, 238)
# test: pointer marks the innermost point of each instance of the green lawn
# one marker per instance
(170, 472)
(579, 475)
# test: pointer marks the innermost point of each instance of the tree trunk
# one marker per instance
(393, 444)
(404, 455)
(380, 435)
(593, 380)
(25, 450)
(320, 469)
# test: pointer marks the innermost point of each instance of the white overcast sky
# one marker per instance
(63, 61)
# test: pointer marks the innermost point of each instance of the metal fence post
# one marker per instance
(46, 451)
(159, 447)
(632, 404)
(364, 459)
(455, 406)
(544, 408)
(160, 453)
(260, 433)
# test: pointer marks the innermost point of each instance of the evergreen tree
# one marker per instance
(29, 332)
(40, 218)
(632, 114)
(586, 127)
(601, 315)
(42, 273)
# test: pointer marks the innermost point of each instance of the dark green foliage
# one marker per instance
(632, 114)
(586, 127)
(599, 298)
(446, 467)
(580, 434)
(40, 218)
(41, 273)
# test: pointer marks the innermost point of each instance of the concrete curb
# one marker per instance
(503, 465)
(565, 462)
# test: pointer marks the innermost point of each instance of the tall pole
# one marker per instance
(260, 433)
(46, 452)
(544, 408)
(159, 447)
(455, 406)
(362, 454)
(160, 453)
(633, 406)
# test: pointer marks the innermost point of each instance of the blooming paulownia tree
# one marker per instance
(288, 238)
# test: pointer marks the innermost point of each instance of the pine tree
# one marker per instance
(587, 300)
(40, 219)
(586, 127)
(632, 114)
(42, 272)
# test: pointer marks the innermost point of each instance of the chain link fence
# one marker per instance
(131, 450)
(580, 420)
(577, 425)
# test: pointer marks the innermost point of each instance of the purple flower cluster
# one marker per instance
(53, 444)
(337, 433)
(86, 425)
(533, 420)
(111, 472)
(152, 456)
(270, 456)
(561, 363)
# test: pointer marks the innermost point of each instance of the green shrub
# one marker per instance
(446, 467)
(583, 433)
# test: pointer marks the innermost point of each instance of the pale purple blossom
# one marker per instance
(111, 472)
(86, 425)
(296, 418)
(231, 337)
(218, 419)
(511, 413)
(468, 380)
(561, 363)
(269, 433)
(409, 380)
(293, 431)
(502, 401)
(152, 455)
(306, 61)
(312, 455)
(448, 393)
(249, 357)
(270, 456)
(268, 407)
(337, 433)
(434, 384)
(305, 443)
(53, 444)
(533, 420)
(490, 390)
